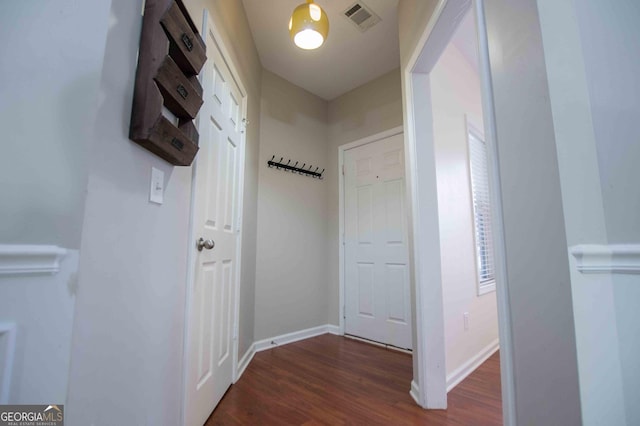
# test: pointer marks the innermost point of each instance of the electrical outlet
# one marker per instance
(466, 321)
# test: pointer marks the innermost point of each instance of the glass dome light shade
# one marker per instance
(308, 26)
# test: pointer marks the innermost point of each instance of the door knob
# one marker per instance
(205, 244)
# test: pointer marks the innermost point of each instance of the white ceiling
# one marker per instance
(348, 58)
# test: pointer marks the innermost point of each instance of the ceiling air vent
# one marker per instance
(361, 16)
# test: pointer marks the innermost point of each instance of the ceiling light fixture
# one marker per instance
(308, 26)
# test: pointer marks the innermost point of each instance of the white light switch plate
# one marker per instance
(156, 193)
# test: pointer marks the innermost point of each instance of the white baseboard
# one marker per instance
(334, 329)
(245, 360)
(461, 373)
(283, 339)
(415, 392)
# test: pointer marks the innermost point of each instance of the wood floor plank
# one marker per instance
(330, 380)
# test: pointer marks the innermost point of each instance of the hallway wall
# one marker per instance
(127, 349)
(590, 79)
(413, 18)
(455, 93)
(609, 34)
(48, 100)
(538, 282)
(291, 276)
(47, 117)
(298, 289)
(610, 39)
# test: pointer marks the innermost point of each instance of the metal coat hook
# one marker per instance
(294, 168)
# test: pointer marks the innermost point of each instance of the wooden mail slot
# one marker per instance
(170, 80)
(189, 130)
(171, 144)
(182, 96)
(187, 49)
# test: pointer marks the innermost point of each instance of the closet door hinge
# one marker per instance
(343, 170)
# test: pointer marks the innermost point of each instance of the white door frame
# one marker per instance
(341, 204)
(429, 347)
(209, 26)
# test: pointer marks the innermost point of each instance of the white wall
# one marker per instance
(131, 294)
(610, 39)
(541, 315)
(455, 94)
(626, 292)
(538, 280)
(129, 326)
(364, 111)
(367, 110)
(601, 391)
(41, 305)
(52, 59)
(50, 79)
(413, 17)
(291, 265)
(591, 76)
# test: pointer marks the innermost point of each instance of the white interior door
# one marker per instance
(377, 293)
(216, 220)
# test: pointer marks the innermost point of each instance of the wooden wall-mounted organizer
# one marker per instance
(171, 55)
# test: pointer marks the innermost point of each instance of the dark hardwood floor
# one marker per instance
(332, 380)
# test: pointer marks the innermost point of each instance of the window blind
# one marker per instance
(481, 210)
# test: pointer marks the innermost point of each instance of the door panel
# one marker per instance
(394, 209)
(365, 215)
(395, 279)
(366, 294)
(205, 325)
(223, 319)
(377, 293)
(214, 136)
(230, 189)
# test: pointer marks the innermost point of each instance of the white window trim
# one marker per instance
(487, 286)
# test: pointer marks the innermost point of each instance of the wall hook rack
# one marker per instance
(287, 167)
